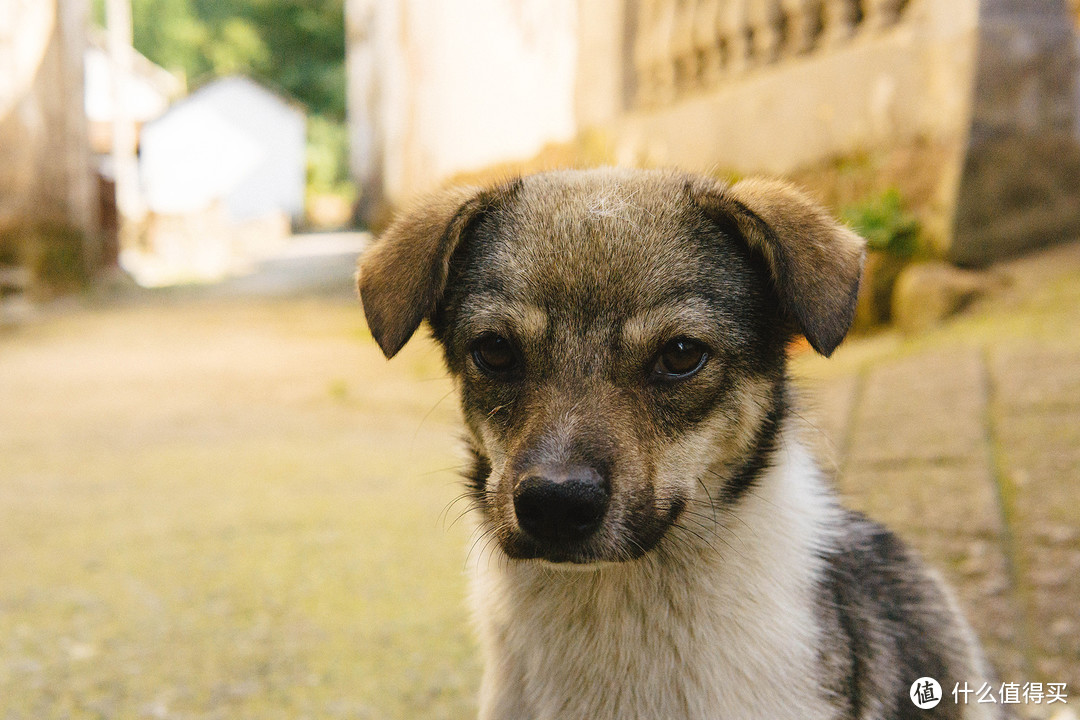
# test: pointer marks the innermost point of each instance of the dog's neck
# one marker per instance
(713, 605)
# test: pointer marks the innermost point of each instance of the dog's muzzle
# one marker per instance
(561, 504)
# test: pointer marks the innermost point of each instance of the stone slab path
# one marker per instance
(966, 440)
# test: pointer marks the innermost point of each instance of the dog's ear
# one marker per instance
(402, 276)
(815, 262)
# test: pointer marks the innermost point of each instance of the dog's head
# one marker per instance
(618, 339)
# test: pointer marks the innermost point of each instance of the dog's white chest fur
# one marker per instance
(717, 622)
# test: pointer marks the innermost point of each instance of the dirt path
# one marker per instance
(222, 504)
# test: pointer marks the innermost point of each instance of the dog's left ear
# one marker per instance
(403, 275)
(815, 262)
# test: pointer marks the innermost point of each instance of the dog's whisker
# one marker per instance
(477, 501)
(428, 413)
(707, 522)
(459, 517)
(749, 491)
(712, 503)
(696, 534)
(445, 512)
(480, 536)
(483, 555)
(713, 530)
(625, 555)
(448, 468)
(684, 544)
(466, 495)
(436, 378)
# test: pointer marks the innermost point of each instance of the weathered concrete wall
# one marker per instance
(445, 87)
(983, 91)
(45, 177)
(1020, 185)
(899, 81)
(988, 86)
(874, 86)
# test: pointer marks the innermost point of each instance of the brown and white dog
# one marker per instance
(666, 546)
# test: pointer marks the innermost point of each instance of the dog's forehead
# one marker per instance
(603, 233)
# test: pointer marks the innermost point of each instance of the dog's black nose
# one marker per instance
(561, 504)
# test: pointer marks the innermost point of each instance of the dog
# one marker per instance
(664, 545)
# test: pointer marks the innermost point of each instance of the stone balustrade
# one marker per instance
(685, 46)
(968, 107)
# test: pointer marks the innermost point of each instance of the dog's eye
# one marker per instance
(494, 354)
(682, 357)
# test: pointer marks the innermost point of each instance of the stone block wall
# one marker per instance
(1020, 183)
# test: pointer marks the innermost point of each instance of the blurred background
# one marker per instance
(218, 500)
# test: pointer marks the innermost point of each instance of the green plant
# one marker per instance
(886, 224)
(296, 47)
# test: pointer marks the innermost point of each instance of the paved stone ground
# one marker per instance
(966, 440)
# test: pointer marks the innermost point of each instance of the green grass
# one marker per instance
(225, 511)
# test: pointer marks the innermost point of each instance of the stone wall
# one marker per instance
(979, 94)
(441, 87)
(772, 91)
(1020, 184)
(985, 88)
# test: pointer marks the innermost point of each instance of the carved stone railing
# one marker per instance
(684, 46)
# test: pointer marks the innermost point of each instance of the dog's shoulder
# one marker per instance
(890, 622)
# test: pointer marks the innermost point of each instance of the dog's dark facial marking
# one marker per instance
(617, 338)
(760, 457)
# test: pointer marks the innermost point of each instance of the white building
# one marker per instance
(231, 143)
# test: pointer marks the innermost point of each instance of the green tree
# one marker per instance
(294, 46)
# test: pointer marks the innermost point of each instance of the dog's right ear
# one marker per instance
(814, 262)
(403, 275)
